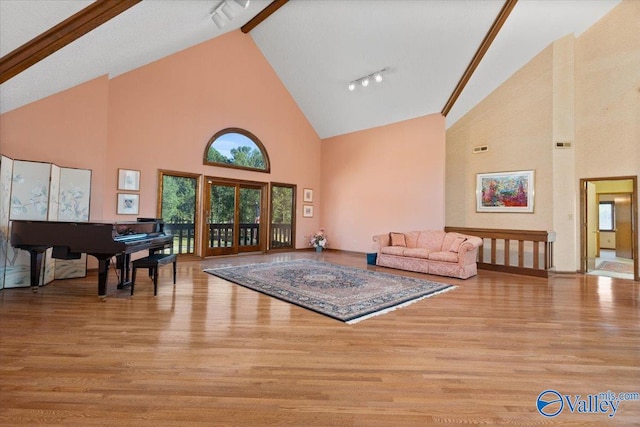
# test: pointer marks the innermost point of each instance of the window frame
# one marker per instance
(613, 216)
(198, 202)
(252, 137)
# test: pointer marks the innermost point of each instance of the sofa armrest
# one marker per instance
(468, 251)
(381, 241)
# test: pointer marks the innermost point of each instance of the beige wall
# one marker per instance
(534, 109)
(162, 115)
(389, 178)
(515, 123)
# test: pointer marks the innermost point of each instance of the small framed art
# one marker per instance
(128, 179)
(128, 204)
(307, 195)
(307, 211)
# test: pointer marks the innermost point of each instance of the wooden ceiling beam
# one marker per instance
(61, 35)
(264, 14)
(484, 47)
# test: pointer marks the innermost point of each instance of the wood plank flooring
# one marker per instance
(210, 353)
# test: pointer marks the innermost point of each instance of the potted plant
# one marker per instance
(319, 240)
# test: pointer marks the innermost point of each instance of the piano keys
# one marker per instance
(102, 240)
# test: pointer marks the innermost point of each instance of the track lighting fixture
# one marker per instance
(365, 80)
(218, 20)
(224, 12)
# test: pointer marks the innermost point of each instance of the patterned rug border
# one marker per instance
(390, 306)
(616, 267)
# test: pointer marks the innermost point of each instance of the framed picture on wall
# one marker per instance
(307, 211)
(307, 195)
(128, 179)
(128, 204)
(505, 192)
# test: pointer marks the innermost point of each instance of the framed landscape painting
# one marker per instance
(505, 192)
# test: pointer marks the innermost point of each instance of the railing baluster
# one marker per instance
(493, 235)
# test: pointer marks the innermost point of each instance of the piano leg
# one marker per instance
(36, 267)
(123, 263)
(103, 270)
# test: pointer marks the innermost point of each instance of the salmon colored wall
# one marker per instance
(389, 178)
(162, 115)
(68, 129)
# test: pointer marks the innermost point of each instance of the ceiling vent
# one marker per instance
(480, 149)
(563, 145)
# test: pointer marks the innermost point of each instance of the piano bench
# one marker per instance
(152, 262)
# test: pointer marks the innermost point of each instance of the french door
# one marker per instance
(233, 210)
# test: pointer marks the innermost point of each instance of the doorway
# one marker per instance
(609, 235)
(233, 210)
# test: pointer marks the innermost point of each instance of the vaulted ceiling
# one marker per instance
(316, 47)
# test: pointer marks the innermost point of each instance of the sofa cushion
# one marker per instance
(444, 256)
(412, 239)
(398, 239)
(393, 250)
(417, 253)
(431, 239)
(455, 245)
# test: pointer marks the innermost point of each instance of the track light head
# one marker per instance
(378, 77)
(365, 82)
(217, 19)
(243, 3)
(352, 86)
(227, 11)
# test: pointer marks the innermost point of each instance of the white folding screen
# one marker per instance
(73, 205)
(39, 191)
(6, 172)
(30, 201)
(52, 215)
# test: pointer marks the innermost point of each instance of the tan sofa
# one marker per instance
(429, 251)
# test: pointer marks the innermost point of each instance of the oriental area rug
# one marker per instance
(343, 293)
(616, 267)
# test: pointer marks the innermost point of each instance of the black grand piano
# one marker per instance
(102, 240)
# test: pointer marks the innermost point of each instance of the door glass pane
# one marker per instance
(281, 216)
(178, 211)
(221, 216)
(250, 216)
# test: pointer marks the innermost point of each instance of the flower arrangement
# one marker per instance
(319, 239)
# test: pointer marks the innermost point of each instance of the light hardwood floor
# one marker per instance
(211, 353)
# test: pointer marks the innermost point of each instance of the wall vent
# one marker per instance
(563, 145)
(480, 149)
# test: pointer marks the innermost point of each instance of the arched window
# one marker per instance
(236, 148)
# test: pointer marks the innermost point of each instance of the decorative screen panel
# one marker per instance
(29, 200)
(73, 205)
(6, 170)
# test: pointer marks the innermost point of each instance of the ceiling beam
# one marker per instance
(57, 37)
(264, 14)
(484, 47)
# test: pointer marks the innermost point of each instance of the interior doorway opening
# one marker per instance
(609, 233)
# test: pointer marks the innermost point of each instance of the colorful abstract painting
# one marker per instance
(505, 192)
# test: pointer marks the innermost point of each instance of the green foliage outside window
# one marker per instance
(178, 199)
(236, 148)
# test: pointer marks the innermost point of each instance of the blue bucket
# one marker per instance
(371, 258)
